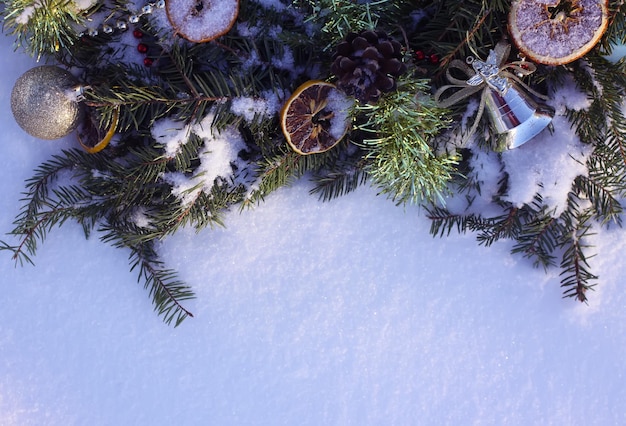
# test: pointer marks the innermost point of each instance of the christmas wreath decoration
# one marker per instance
(182, 117)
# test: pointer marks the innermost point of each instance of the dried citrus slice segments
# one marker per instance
(556, 32)
(89, 135)
(200, 21)
(315, 117)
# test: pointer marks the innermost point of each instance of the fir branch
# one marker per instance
(602, 125)
(600, 188)
(167, 291)
(539, 238)
(459, 29)
(105, 191)
(443, 221)
(142, 105)
(281, 169)
(481, 18)
(274, 172)
(38, 185)
(615, 34)
(400, 159)
(507, 226)
(203, 210)
(32, 227)
(338, 18)
(46, 207)
(338, 182)
(43, 27)
(576, 275)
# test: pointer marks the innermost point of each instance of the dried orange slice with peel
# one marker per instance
(91, 139)
(557, 32)
(316, 117)
(201, 21)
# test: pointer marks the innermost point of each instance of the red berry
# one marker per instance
(420, 55)
(148, 62)
(433, 59)
(137, 33)
(142, 48)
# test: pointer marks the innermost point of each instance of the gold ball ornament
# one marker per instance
(557, 32)
(44, 102)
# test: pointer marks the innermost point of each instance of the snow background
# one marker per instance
(307, 313)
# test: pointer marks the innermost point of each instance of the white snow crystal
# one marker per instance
(486, 172)
(141, 218)
(251, 61)
(286, 62)
(250, 108)
(275, 31)
(184, 188)
(171, 134)
(340, 105)
(219, 153)
(548, 164)
(84, 4)
(26, 14)
(569, 97)
(246, 30)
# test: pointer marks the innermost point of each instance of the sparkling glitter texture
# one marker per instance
(44, 102)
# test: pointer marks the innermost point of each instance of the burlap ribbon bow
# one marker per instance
(494, 74)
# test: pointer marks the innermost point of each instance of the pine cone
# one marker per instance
(367, 64)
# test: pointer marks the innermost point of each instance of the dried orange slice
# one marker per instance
(556, 32)
(316, 117)
(200, 21)
(90, 137)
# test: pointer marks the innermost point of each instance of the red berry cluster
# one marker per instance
(143, 48)
(432, 58)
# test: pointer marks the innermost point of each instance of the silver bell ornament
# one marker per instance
(513, 113)
(45, 102)
(515, 116)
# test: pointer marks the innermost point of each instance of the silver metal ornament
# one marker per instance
(44, 102)
(515, 116)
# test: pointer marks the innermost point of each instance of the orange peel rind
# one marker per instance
(102, 142)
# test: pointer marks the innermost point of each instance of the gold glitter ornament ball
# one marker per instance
(44, 102)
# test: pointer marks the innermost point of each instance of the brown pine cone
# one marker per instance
(367, 64)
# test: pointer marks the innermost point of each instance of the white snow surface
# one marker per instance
(217, 156)
(308, 313)
(252, 109)
(341, 106)
(547, 164)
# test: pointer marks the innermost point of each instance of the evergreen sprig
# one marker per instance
(455, 29)
(338, 18)
(69, 186)
(166, 290)
(400, 158)
(42, 27)
(345, 176)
